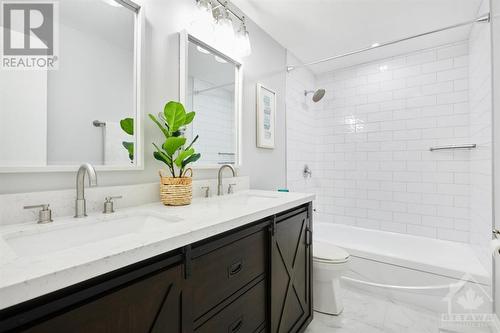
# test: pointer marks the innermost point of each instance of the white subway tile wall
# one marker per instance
(375, 127)
(215, 121)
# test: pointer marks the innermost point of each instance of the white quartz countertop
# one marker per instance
(46, 265)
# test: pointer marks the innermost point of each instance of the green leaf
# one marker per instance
(175, 115)
(182, 156)
(172, 144)
(127, 125)
(189, 118)
(160, 126)
(130, 148)
(161, 156)
(191, 159)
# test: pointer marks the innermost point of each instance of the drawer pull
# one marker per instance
(235, 268)
(236, 326)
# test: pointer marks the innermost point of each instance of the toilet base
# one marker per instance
(327, 297)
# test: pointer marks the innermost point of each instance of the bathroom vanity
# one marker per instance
(235, 264)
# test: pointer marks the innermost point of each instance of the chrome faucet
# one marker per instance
(80, 207)
(220, 190)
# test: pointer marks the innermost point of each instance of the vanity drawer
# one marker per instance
(246, 314)
(223, 271)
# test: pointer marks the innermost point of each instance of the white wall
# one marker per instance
(301, 126)
(266, 65)
(266, 168)
(376, 127)
(480, 102)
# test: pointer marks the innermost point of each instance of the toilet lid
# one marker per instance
(329, 253)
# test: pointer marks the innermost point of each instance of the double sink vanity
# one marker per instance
(232, 263)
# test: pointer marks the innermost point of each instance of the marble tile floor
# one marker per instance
(366, 313)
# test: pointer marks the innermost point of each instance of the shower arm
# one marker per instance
(481, 19)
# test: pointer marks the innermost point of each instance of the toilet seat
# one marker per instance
(329, 254)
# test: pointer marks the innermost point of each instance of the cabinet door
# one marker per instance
(152, 304)
(291, 259)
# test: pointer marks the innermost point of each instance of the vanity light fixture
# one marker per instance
(204, 7)
(243, 45)
(203, 23)
(213, 23)
(224, 30)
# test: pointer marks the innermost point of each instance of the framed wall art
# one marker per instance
(266, 117)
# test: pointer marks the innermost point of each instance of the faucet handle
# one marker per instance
(109, 204)
(110, 198)
(207, 191)
(230, 188)
(42, 206)
(44, 215)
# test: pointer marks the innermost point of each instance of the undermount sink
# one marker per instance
(75, 233)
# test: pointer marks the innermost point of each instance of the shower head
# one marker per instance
(318, 94)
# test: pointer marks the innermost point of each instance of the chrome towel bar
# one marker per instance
(98, 123)
(467, 146)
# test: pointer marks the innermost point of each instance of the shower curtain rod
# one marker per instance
(481, 19)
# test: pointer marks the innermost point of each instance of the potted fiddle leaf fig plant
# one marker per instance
(176, 186)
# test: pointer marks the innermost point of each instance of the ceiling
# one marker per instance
(317, 29)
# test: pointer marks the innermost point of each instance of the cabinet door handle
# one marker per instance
(235, 268)
(236, 326)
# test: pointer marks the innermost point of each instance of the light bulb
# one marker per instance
(224, 32)
(243, 46)
(203, 24)
(204, 6)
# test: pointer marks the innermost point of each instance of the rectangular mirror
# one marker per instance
(87, 108)
(211, 86)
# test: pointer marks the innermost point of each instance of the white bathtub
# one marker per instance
(392, 262)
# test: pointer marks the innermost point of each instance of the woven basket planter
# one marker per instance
(176, 191)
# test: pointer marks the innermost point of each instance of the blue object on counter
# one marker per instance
(283, 190)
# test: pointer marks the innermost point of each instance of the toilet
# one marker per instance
(329, 263)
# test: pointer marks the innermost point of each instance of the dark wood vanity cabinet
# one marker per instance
(152, 304)
(256, 278)
(291, 260)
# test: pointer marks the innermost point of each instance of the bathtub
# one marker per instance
(405, 268)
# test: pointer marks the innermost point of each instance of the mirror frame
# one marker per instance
(139, 42)
(184, 39)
